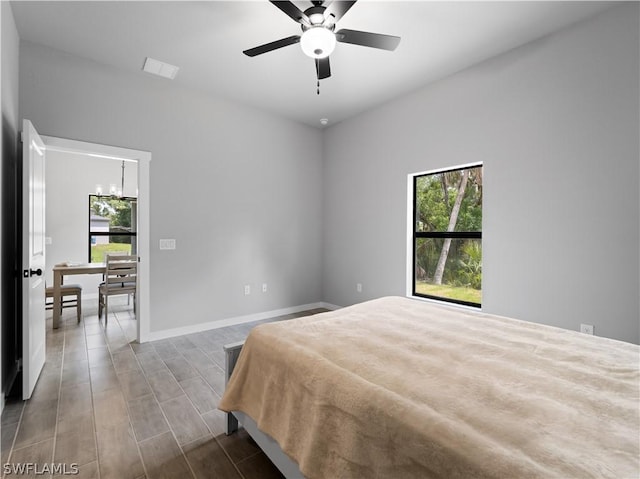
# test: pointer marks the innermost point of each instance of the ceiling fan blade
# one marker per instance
(293, 11)
(338, 9)
(267, 47)
(366, 39)
(323, 70)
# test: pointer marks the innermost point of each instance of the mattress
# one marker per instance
(397, 387)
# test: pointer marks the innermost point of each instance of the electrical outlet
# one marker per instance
(247, 289)
(167, 244)
(586, 328)
(264, 287)
(359, 287)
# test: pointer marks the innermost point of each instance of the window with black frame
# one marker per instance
(447, 235)
(112, 226)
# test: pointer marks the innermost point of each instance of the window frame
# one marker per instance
(131, 199)
(414, 235)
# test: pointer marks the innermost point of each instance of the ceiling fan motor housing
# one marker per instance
(318, 38)
(316, 17)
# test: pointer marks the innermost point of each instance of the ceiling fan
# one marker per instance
(318, 38)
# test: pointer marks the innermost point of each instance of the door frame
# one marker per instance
(143, 158)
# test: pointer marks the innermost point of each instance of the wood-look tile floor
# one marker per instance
(123, 410)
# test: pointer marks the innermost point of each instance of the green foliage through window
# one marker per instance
(112, 222)
(448, 235)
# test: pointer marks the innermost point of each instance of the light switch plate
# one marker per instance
(167, 244)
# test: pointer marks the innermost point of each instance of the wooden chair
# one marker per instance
(66, 290)
(120, 278)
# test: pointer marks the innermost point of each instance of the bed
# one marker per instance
(397, 387)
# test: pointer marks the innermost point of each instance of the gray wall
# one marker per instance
(237, 188)
(9, 48)
(252, 198)
(556, 124)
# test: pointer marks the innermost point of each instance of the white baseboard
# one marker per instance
(222, 323)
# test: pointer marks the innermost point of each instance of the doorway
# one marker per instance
(142, 160)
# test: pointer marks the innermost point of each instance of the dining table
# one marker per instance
(67, 269)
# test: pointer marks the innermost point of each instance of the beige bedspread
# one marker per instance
(399, 388)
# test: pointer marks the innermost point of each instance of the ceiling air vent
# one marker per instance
(159, 68)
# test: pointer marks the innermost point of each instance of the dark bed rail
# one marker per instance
(231, 354)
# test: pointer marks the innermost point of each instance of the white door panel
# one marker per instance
(33, 258)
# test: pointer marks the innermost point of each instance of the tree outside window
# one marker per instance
(447, 235)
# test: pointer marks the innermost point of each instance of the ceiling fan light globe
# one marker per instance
(318, 42)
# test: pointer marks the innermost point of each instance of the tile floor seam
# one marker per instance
(93, 406)
(209, 434)
(173, 434)
(250, 456)
(15, 436)
(130, 423)
(55, 428)
(224, 450)
(33, 444)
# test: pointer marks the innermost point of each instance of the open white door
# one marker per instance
(33, 231)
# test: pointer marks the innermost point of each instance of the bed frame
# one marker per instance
(269, 446)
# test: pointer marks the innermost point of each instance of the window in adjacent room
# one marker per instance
(447, 235)
(112, 226)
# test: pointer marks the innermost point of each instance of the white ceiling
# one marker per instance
(206, 39)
